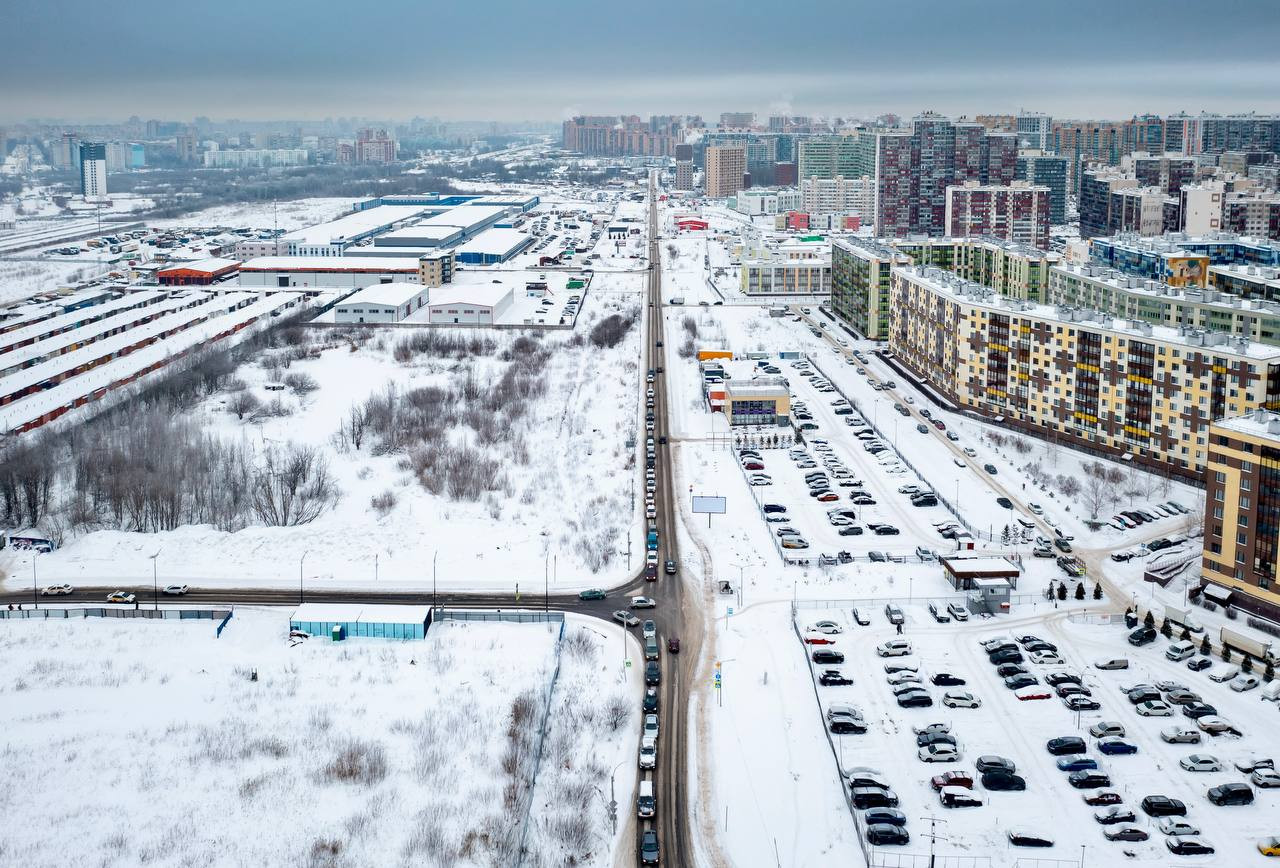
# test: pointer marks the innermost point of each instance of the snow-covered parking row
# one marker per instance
(1019, 731)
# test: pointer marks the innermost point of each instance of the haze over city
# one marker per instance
(709, 435)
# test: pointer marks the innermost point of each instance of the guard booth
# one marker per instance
(989, 596)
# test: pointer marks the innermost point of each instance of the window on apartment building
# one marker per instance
(1217, 512)
(1246, 466)
(1219, 476)
(1246, 503)
(1246, 484)
(1216, 548)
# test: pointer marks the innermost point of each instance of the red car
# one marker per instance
(952, 779)
(828, 497)
(1103, 797)
(939, 424)
(673, 645)
(753, 465)
(819, 639)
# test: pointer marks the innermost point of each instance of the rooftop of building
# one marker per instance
(1174, 243)
(952, 286)
(1259, 422)
(462, 292)
(765, 387)
(421, 230)
(389, 294)
(870, 247)
(212, 265)
(357, 225)
(499, 242)
(465, 216)
(331, 263)
(1158, 289)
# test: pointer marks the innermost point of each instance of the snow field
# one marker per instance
(417, 752)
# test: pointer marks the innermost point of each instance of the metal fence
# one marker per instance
(1037, 862)
(47, 614)
(950, 507)
(911, 599)
(542, 739)
(514, 616)
(897, 859)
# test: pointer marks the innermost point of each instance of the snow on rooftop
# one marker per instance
(43, 327)
(356, 225)
(212, 265)
(332, 263)
(466, 217)
(1259, 423)
(498, 242)
(389, 294)
(481, 294)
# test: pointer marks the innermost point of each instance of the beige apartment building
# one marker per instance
(725, 167)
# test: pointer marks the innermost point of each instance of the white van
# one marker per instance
(646, 805)
(1270, 691)
(1180, 650)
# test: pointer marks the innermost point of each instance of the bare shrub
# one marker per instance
(690, 326)
(325, 853)
(301, 384)
(244, 404)
(610, 331)
(579, 645)
(359, 762)
(383, 503)
(617, 712)
(292, 486)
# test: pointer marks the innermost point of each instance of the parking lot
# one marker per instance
(885, 749)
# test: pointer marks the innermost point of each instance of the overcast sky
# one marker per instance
(517, 60)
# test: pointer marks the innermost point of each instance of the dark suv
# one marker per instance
(1163, 806)
(1069, 744)
(1231, 794)
(826, 655)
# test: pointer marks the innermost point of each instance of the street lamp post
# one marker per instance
(35, 596)
(300, 560)
(435, 589)
(155, 583)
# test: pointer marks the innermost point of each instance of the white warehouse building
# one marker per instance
(381, 303)
(481, 304)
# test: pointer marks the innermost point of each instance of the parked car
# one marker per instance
(959, 797)
(894, 614)
(1199, 762)
(885, 834)
(960, 699)
(1115, 746)
(1114, 814)
(1231, 794)
(1025, 838)
(1065, 745)
(873, 797)
(1180, 735)
(826, 655)
(1188, 846)
(893, 648)
(991, 763)
(1003, 781)
(1125, 833)
(1163, 806)
(834, 678)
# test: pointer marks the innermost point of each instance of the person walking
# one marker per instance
(899, 629)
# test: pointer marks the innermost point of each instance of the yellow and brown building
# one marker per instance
(1242, 512)
(1115, 386)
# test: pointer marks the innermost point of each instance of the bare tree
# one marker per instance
(301, 384)
(1069, 485)
(356, 424)
(244, 404)
(1096, 494)
(292, 486)
(1194, 524)
(1052, 453)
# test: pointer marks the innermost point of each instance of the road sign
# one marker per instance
(628, 662)
(731, 610)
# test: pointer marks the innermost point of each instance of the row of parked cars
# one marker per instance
(1128, 519)
(1008, 659)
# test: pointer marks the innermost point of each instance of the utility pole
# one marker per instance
(435, 595)
(35, 596)
(300, 560)
(155, 582)
(934, 837)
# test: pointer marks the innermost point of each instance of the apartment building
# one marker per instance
(829, 157)
(1043, 169)
(726, 166)
(684, 175)
(780, 276)
(1186, 260)
(1096, 187)
(1242, 512)
(1139, 209)
(1034, 130)
(839, 195)
(1146, 300)
(1141, 392)
(93, 170)
(1015, 212)
(1252, 213)
(614, 136)
(756, 202)
(861, 268)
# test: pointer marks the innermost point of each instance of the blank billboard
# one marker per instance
(710, 505)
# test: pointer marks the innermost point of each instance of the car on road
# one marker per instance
(894, 648)
(834, 678)
(120, 597)
(1027, 838)
(1231, 794)
(652, 673)
(642, 603)
(650, 702)
(625, 618)
(650, 629)
(1188, 846)
(56, 590)
(650, 852)
(886, 834)
(991, 763)
(1125, 833)
(1001, 781)
(648, 753)
(1163, 806)
(1105, 728)
(1116, 746)
(960, 699)
(1114, 814)
(591, 594)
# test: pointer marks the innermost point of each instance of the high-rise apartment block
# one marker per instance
(736, 120)
(185, 147)
(613, 136)
(1034, 130)
(839, 196)
(1015, 212)
(829, 157)
(684, 175)
(375, 146)
(1047, 170)
(726, 166)
(1096, 187)
(913, 168)
(93, 170)
(1242, 513)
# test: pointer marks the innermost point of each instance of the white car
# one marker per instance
(894, 648)
(1156, 708)
(938, 753)
(1201, 762)
(651, 558)
(648, 753)
(1226, 673)
(56, 591)
(1177, 826)
(1180, 735)
(1048, 658)
(760, 479)
(904, 678)
(1244, 681)
(1214, 725)
(651, 726)
(960, 699)
(830, 627)
(120, 597)
(1265, 778)
(176, 590)
(642, 603)
(650, 630)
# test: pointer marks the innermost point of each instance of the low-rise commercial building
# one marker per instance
(300, 272)
(761, 401)
(201, 273)
(472, 304)
(1142, 392)
(786, 277)
(757, 202)
(381, 303)
(333, 238)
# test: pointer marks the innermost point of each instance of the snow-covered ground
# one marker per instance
(25, 277)
(563, 503)
(143, 742)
